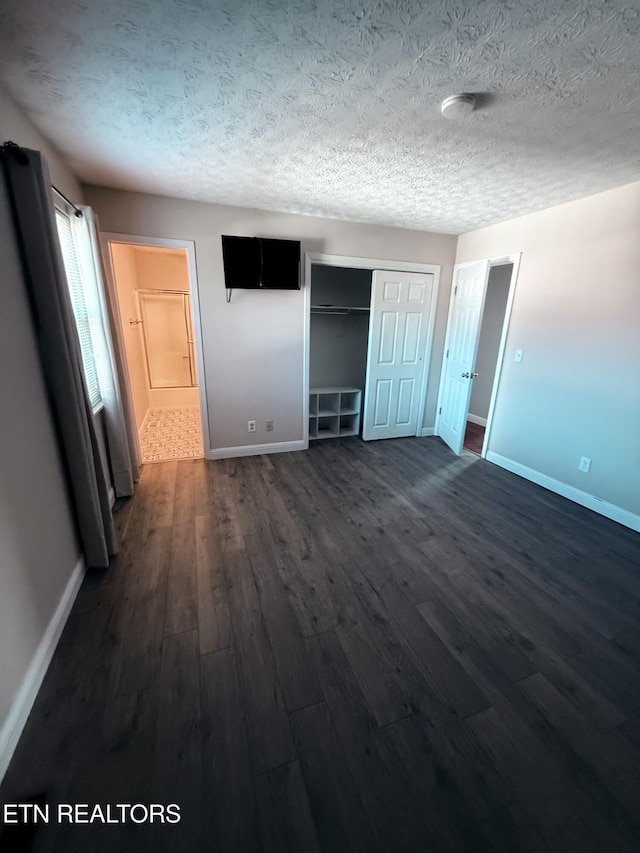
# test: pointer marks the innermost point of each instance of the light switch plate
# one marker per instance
(518, 356)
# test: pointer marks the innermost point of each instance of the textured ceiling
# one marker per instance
(331, 107)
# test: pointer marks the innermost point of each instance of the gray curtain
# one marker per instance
(29, 187)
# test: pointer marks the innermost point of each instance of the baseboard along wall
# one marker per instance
(609, 510)
(254, 449)
(15, 722)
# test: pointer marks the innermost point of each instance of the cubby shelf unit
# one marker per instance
(334, 412)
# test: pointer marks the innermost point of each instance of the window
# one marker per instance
(85, 300)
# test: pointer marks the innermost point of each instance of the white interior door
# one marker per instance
(398, 332)
(463, 329)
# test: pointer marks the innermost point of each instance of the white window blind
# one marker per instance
(86, 306)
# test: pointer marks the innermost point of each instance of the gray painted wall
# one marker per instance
(575, 315)
(338, 352)
(254, 346)
(38, 549)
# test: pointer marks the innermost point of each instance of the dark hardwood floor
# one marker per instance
(364, 647)
(474, 437)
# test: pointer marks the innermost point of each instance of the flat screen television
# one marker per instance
(258, 263)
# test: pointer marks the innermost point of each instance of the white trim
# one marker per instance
(255, 449)
(190, 247)
(351, 262)
(425, 431)
(476, 419)
(117, 333)
(370, 263)
(22, 704)
(144, 421)
(609, 510)
(306, 346)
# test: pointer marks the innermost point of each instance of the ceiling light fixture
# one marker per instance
(458, 106)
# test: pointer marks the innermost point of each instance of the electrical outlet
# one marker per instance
(585, 464)
(269, 426)
(518, 356)
(251, 426)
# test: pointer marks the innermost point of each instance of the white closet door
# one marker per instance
(398, 331)
(463, 328)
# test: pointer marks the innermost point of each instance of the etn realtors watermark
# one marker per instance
(118, 813)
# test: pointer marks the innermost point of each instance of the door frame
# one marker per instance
(501, 260)
(350, 262)
(106, 239)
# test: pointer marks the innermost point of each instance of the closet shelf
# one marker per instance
(340, 310)
(334, 411)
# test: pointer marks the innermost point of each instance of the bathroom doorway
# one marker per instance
(154, 295)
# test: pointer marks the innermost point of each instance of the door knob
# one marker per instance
(473, 375)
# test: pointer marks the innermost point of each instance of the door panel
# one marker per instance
(412, 339)
(405, 396)
(388, 338)
(465, 314)
(400, 307)
(383, 403)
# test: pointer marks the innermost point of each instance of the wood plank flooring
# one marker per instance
(474, 437)
(363, 647)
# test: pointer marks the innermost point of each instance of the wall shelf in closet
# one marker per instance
(334, 412)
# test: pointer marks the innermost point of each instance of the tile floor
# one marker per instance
(172, 433)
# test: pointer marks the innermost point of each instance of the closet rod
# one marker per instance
(336, 309)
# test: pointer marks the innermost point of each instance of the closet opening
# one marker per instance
(369, 335)
(338, 338)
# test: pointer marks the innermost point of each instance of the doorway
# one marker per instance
(479, 311)
(153, 291)
(491, 324)
(369, 333)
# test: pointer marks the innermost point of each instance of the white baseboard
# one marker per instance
(254, 449)
(425, 431)
(23, 702)
(476, 419)
(609, 510)
(112, 497)
(144, 421)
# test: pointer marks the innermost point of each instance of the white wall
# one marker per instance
(576, 315)
(253, 347)
(160, 269)
(34, 569)
(489, 342)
